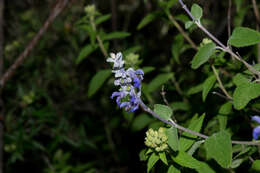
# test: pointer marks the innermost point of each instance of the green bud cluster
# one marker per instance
(9, 148)
(156, 139)
(205, 41)
(90, 10)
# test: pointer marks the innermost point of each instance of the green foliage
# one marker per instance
(196, 11)
(158, 81)
(203, 55)
(97, 81)
(151, 161)
(242, 36)
(219, 147)
(207, 86)
(188, 139)
(163, 111)
(173, 140)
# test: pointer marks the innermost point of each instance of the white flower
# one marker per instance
(117, 60)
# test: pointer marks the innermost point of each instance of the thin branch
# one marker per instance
(256, 11)
(60, 5)
(229, 17)
(180, 29)
(221, 86)
(224, 48)
(172, 123)
(163, 93)
(220, 95)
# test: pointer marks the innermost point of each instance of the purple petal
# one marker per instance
(256, 118)
(134, 108)
(124, 104)
(139, 72)
(114, 94)
(256, 132)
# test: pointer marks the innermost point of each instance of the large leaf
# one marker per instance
(244, 93)
(173, 140)
(240, 79)
(97, 81)
(203, 55)
(256, 166)
(196, 11)
(151, 161)
(188, 161)
(243, 36)
(172, 169)
(219, 147)
(188, 139)
(163, 111)
(207, 85)
(116, 35)
(87, 50)
(158, 81)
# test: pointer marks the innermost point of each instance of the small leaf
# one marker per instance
(148, 69)
(163, 158)
(87, 50)
(173, 140)
(256, 165)
(243, 36)
(172, 169)
(141, 121)
(203, 55)
(102, 19)
(219, 147)
(223, 113)
(195, 89)
(180, 106)
(158, 81)
(244, 93)
(116, 35)
(142, 155)
(146, 20)
(163, 111)
(188, 24)
(196, 11)
(151, 162)
(97, 81)
(207, 85)
(194, 147)
(188, 139)
(240, 79)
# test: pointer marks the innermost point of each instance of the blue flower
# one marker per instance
(256, 131)
(129, 81)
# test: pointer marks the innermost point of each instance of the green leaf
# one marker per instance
(188, 24)
(240, 79)
(97, 81)
(223, 113)
(146, 20)
(116, 35)
(180, 106)
(196, 11)
(243, 36)
(207, 85)
(87, 50)
(244, 93)
(219, 147)
(195, 89)
(142, 155)
(141, 121)
(173, 140)
(163, 158)
(163, 111)
(102, 19)
(188, 139)
(256, 165)
(188, 161)
(236, 163)
(172, 169)
(151, 162)
(203, 55)
(158, 81)
(147, 69)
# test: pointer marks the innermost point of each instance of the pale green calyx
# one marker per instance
(205, 41)
(156, 140)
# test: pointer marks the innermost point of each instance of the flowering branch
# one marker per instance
(223, 47)
(129, 96)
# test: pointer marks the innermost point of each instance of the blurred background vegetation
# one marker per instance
(54, 122)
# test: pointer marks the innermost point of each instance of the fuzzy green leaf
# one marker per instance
(243, 36)
(207, 85)
(163, 111)
(85, 51)
(173, 140)
(97, 81)
(196, 11)
(158, 81)
(116, 35)
(151, 161)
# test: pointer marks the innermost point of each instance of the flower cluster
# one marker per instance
(129, 81)
(156, 139)
(256, 131)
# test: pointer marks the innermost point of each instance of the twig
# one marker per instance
(163, 93)
(172, 123)
(220, 95)
(224, 48)
(47, 161)
(60, 5)
(179, 28)
(229, 17)
(221, 86)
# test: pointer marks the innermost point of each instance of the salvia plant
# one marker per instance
(189, 146)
